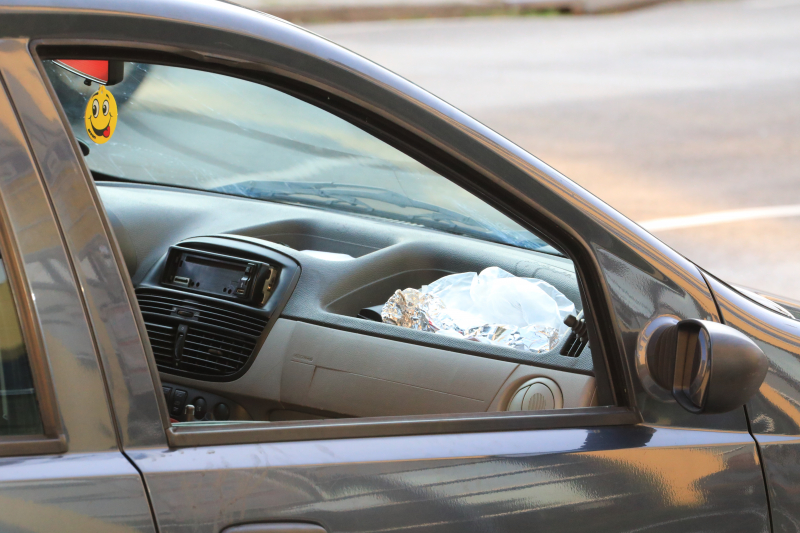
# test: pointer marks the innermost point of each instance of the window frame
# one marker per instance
(606, 349)
(52, 440)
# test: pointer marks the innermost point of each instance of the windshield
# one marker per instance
(193, 129)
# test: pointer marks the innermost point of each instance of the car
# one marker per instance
(253, 282)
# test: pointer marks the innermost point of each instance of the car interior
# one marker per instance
(272, 247)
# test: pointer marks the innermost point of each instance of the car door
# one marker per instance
(637, 464)
(60, 464)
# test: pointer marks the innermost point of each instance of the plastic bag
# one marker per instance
(493, 306)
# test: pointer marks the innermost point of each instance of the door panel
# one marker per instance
(93, 492)
(609, 479)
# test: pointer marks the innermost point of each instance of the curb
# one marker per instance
(309, 14)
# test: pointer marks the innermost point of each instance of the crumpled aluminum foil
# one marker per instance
(478, 302)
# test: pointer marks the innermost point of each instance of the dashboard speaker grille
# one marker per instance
(198, 337)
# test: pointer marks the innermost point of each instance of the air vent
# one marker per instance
(537, 394)
(198, 337)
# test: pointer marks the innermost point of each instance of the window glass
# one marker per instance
(194, 129)
(19, 412)
(492, 316)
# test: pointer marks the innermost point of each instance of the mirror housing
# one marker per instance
(705, 366)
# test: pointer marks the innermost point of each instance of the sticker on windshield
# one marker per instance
(101, 116)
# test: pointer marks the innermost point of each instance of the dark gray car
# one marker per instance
(218, 306)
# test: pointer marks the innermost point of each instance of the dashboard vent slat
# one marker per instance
(219, 311)
(220, 338)
(209, 346)
(214, 321)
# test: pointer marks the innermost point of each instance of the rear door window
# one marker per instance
(19, 412)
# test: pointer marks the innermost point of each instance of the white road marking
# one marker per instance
(770, 4)
(721, 217)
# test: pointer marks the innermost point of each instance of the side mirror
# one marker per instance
(706, 367)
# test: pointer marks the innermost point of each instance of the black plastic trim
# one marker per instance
(230, 246)
(347, 428)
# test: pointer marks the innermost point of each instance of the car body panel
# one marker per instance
(775, 411)
(87, 492)
(611, 479)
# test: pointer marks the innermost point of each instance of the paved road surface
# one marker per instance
(684, 109)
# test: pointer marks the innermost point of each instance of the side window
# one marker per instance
(19, 412)
(184, 128)
(362, 283)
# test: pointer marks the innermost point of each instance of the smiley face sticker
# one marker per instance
(101, 116)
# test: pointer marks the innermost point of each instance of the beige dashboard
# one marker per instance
(316, 368)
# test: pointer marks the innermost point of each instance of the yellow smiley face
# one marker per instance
(101, 116)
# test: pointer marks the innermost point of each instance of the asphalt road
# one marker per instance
(689, 108)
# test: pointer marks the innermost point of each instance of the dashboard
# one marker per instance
(264, 311)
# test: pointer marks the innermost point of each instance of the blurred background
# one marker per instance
(684, 116)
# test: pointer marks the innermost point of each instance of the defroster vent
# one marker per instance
(199, 337)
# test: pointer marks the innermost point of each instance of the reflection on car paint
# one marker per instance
(775, 411)
(559, 480)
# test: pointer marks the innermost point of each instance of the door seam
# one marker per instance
(746, 416)
(763, 468)
(147, 494)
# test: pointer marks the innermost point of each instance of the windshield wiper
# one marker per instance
(351, 199)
